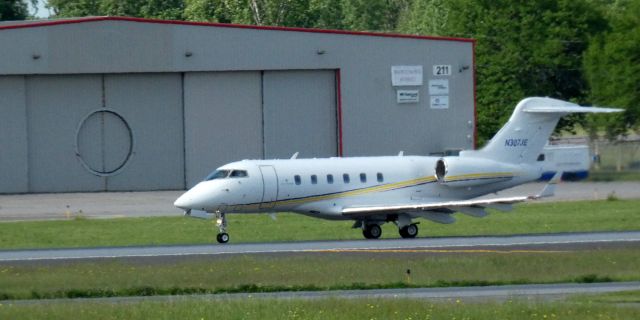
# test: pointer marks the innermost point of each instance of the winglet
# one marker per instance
(550, 188)
(294, 156)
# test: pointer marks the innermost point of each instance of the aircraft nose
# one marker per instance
(183, 202)
(199, 197)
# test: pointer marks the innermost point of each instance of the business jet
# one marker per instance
(375, 190)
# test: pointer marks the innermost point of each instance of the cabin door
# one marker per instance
(270, 187)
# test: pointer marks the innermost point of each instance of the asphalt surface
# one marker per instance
(478, 243)
(488, 293)
(160, 203)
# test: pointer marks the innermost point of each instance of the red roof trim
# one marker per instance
(226, 25)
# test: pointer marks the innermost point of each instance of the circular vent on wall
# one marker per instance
(104, 142)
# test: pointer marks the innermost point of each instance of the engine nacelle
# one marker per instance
(466, 172)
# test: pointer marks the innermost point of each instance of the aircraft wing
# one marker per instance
(496, 203)
(473, 207)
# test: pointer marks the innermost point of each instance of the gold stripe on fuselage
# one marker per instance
(472, 176)
(379, 188)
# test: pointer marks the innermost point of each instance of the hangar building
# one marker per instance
(124, 104)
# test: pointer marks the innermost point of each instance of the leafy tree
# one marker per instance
(334, 14)
(327, 14)
(162, 9)
(75, 8)
(612, 65)
(13, 10)
(215, 11)
(257, 12)
(374, 15)
(524, 48)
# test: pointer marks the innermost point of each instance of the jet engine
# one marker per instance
(466, 172)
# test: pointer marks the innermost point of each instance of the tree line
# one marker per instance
(585, 51)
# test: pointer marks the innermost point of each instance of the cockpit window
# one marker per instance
(218, 174)
(238, 174)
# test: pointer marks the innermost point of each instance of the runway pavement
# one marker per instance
(160, 203)
(478, 243)
(487, 293)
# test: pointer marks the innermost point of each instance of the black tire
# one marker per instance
(222, 237)
(410, 231)
(373, 231)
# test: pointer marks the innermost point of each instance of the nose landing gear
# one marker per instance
(221, 223)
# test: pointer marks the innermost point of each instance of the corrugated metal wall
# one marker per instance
(13, 135)
(223, 120)
(231, 116)
(112, 104)
(300, 114)
(73, 145)
(157, 131)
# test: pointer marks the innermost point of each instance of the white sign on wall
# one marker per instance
(442, 70)
(439, 86)
(439, 102)
(406, 76)
(408, 96)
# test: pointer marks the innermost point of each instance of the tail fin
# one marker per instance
(522, 138)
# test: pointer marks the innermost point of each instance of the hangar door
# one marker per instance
(223, 120)
(105, 132)
(299, 110)
(231, 116)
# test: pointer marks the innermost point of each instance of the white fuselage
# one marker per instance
(323, 187)
(376, 190)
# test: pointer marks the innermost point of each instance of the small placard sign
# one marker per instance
(406, 76)
(438, 86)
(439, 102)
(408, 96)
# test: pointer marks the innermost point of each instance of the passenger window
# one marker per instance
(380, 177)
(345, 177)
(329, 178)
(541, 157)
(297, 179)
(314, 179)
(363, 177)
(238, 174)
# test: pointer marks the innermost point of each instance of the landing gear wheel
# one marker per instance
(372, 231)
(410, 231)
(221, 222)
(222, 237)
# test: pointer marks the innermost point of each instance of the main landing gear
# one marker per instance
(373, 230)
(409, 231)
(221, 223)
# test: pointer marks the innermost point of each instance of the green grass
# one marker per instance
(617, 297)
(311, 271)
(612, 175)
(527, 218)
(583, 308)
